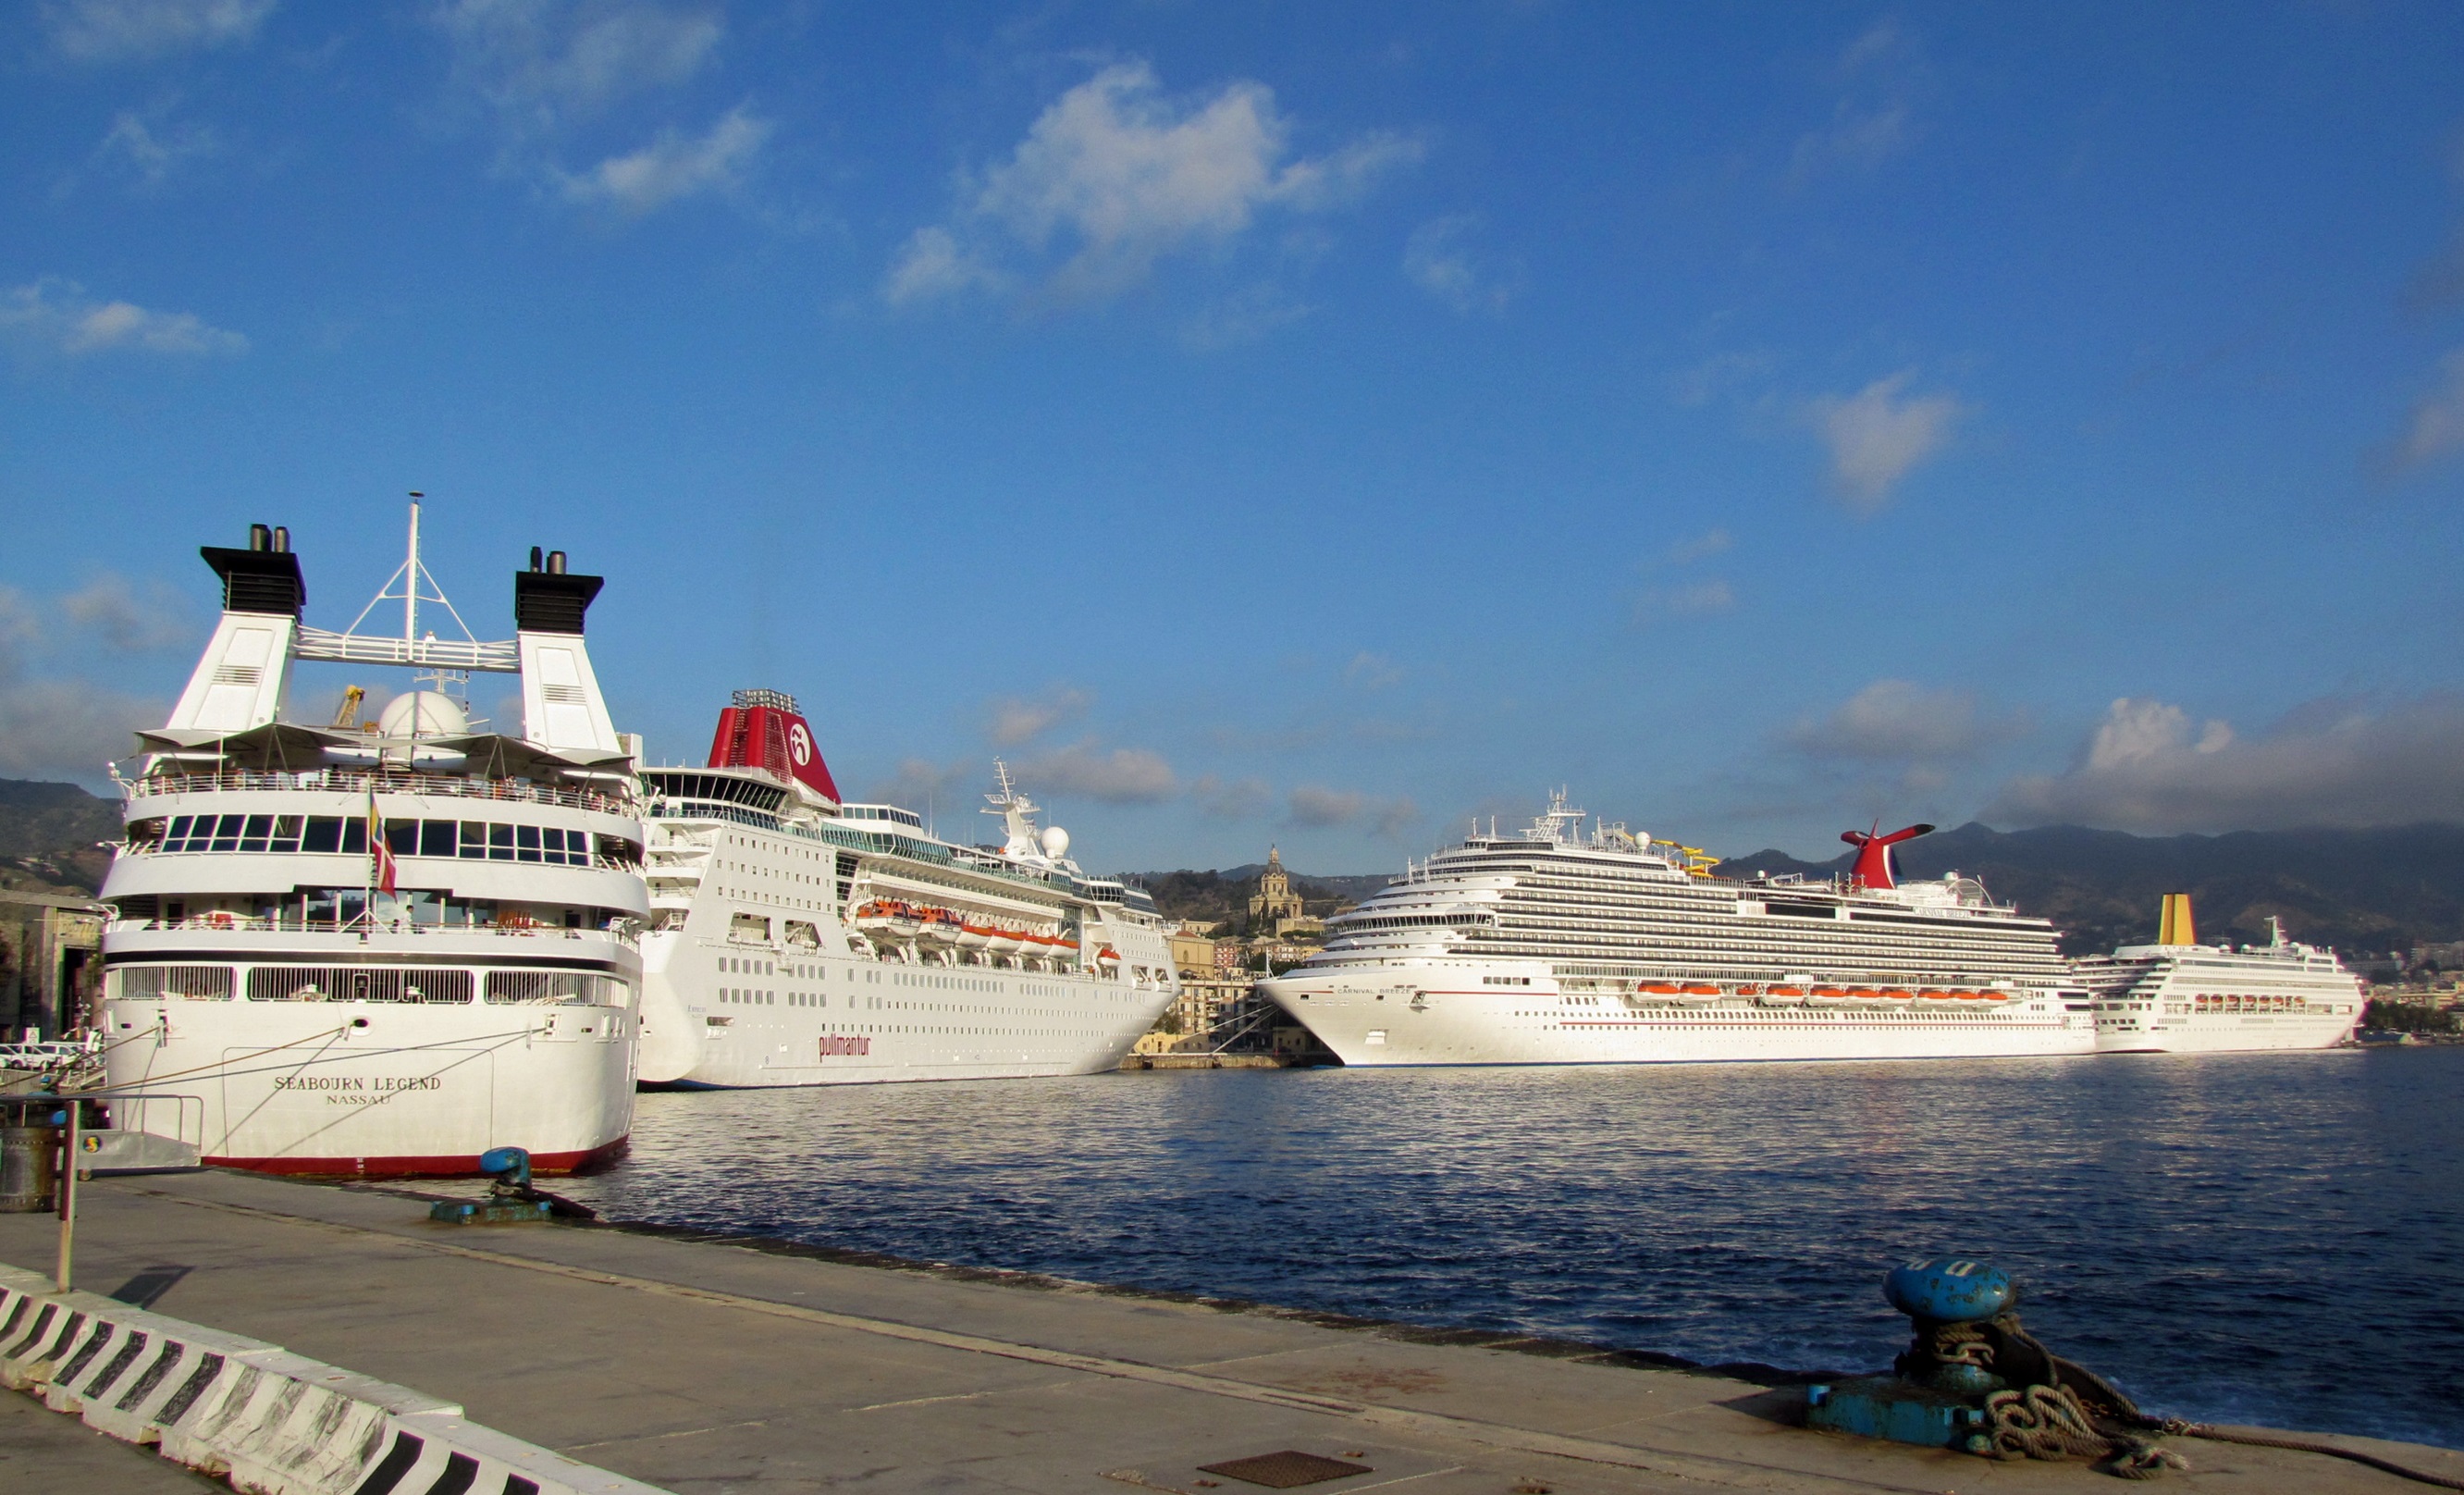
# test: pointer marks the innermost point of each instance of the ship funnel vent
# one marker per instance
(264, 578)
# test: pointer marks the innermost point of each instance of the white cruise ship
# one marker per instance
(384, 947)
(2180, 997)
(797, 940)
(1558, 947)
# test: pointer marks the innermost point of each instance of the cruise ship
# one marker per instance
(2180, 997)
(1555, 946)
(377, 948)
(799, 940)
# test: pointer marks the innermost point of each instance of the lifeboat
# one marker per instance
(1782, 996)
(888, 918)
(1109, 958)
(937, 927)
(1861, 994)
(1825, 997)
(1657, 989)
(1994, 995)
(974, 936)
(1702, 989)
(1003, 941)
(1940, 999)
(1897, 994)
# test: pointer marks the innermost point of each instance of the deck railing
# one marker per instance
(242, 923)
(360, 781)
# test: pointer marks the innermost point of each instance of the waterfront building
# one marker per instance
(50, 962)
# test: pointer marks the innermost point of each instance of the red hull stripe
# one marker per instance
(447, 1166)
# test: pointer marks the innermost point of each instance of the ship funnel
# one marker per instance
(764, 730)
(2173, 926)
(1874, 869)
(260, 538)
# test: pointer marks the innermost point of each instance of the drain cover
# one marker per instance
(1283, 1470)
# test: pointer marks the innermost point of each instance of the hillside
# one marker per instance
(48, 833)
(1224, 896)
(2360, 891)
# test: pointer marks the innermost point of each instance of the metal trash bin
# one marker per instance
(29, 1169)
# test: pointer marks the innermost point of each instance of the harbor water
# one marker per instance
(2265, 1237)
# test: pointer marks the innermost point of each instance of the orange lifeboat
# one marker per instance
(1660, 989)
(1786, 991)
(1862, 994)
(1898, 994)
(1702, 989)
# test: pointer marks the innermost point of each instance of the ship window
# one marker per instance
(526, 840)
(436, 838)
(550, 986)
(178, 833)
(355, 837)
(402, 837)
(472, 844)
(500, 842)
(226, 833)
(286, 833)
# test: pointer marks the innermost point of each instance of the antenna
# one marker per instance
(410, 575)
(410, 594)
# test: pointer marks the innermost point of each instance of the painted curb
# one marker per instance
(273, 1423)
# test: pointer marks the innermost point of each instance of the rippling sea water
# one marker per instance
(2270, 1237)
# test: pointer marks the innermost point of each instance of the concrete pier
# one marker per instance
(703, 1366)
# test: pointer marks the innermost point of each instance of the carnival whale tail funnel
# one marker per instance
(1873, 868)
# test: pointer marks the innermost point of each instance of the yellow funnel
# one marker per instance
(2173, 926)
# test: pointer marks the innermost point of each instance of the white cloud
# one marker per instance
(1116, 776)
(1318, 808)
(2330, 762)
(1437, 259)
(110, 605)
(1872, 119)
(1902, 721)
(109, 30)
(1701, 547)
(1720, 374)
(2436, 426)
(1877, 437)
(68, 728)
(672, 167)
(1117, 176)
(543, 62)
(153, 154)
(1243, 316)
(62, 728)
(1244, 799)
(933, 265)
(1010, 720)
(1372, 671)
(1690, 600)
(924, 786)
(55, 316)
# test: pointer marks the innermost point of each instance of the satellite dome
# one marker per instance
(422, 713)
(1056, 841)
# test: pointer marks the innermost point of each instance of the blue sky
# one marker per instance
(1293, 423)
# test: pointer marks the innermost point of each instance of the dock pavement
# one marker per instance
(704, 1364)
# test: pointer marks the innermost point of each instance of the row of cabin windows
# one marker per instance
(468, 841)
